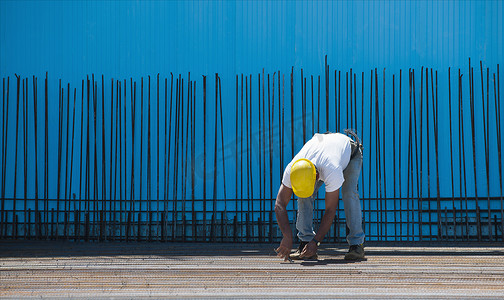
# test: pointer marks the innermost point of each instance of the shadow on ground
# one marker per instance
(24, 248)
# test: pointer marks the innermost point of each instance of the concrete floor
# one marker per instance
(57, 269)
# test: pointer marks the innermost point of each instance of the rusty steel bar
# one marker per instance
(499, 145)
(149, 144)
(16, 148)
(141, 141)
(66, 152)
(5, 135)
(416, 152)
(486, 129)
(399, 158)
(326, 70)
(25, 154)
(410, 154)
(104, 165)
(394, 153)
(35, 123)
(451, 151)
(473, 126)
(384, 155)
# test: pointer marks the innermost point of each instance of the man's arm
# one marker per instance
(283, 198)
(331, 205)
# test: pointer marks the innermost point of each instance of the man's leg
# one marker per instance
(304, 221)
(351, 201)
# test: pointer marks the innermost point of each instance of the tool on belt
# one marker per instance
(355, 143)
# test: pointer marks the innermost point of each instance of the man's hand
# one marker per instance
(309, 250)
(285, 248)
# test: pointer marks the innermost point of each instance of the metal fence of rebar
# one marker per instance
(160, 160)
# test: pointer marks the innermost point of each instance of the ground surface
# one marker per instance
(134, 270)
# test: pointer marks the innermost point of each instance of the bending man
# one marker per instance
(333, 159)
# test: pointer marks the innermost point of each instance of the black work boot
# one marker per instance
(295, 255)
(356, 252)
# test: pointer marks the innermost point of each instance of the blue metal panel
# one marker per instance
(123, 39)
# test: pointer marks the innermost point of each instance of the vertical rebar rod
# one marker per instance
(204, 156)
(175, 160)
(117, 110)
(125, 151)
(303, 108)
(451, 152)
(263, 150)
(46, 158)
(247, 141)
(292, 110)
(193, 149)
(111, 145)
(394, 153)
(283, 126)
(399, 156)
(362, 138)
(35, 136)
(269, 138)
(351, 99)
(378, 157)
(318, 103)
(410, 157)
(428, 149)
(347, 107)
(259, 153)
(326, 70)
(336, 114)
(462, 149)
(435, 111)
(486, 144)
(499, 145)
(157, 151)
(384, 156)
(5, 134)
(95, 176)
(66, 153)
(421, 198)
(60, 142)
(149, 159)
(499, 148)
(241, 132)
(2, 206)
(141, 145)
(104, 165)
(222, 141)
(25, 152)
(25, 156)
(236, 137)
(214, 197)
(416, 152)
(280, 126)
(166, 159)
(87, 184)
(16, 148)
(250, 147)
(133, 120)
(473, 128)
(312, 108)
(339, 102)
(370, 143)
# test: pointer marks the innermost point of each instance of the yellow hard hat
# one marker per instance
(303, 176)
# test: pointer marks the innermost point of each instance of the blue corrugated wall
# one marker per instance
(122, 39)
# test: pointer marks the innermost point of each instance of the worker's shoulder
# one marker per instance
(330, 137)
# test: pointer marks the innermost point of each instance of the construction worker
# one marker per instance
(336, 160)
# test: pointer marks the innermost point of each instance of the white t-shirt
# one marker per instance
(330, 153)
